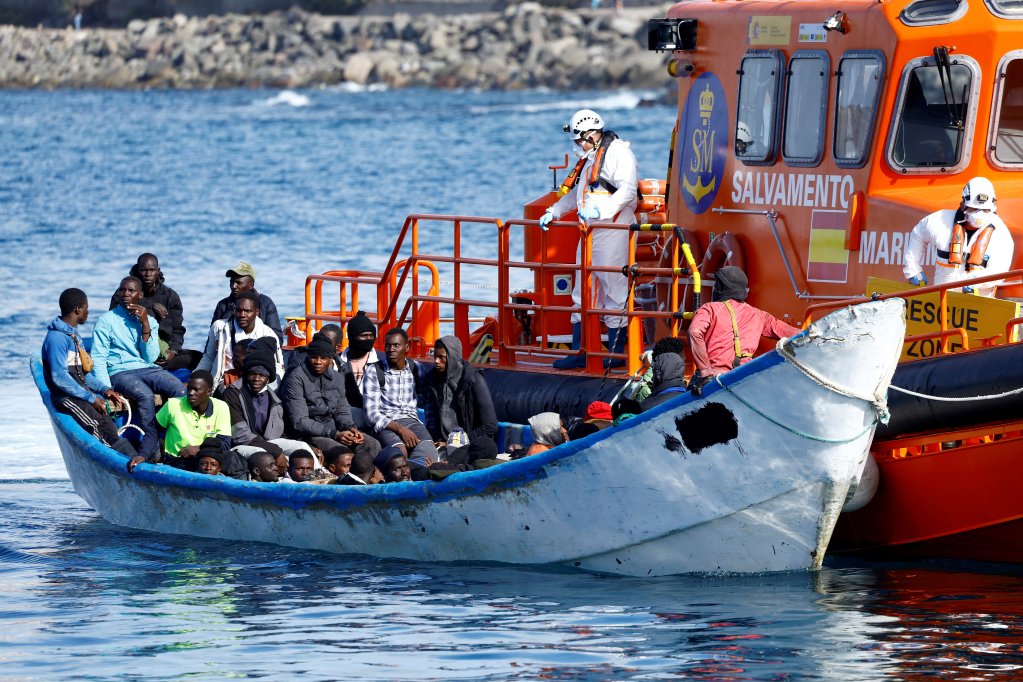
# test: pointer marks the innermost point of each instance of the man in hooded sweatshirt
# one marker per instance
(725, 332)
(73, 385)
(457, 396)
(669, 380)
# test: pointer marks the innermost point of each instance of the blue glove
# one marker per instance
(919, 280)
(588, 213)
(545, 219)
(967, 290)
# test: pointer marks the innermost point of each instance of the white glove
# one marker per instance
(545, 219)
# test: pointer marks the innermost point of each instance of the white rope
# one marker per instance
(879, 399)
(944, 399)
(129, 425)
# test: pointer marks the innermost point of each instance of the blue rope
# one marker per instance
(819, 439)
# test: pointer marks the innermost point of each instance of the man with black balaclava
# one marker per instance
(726, 332)
(359, 362)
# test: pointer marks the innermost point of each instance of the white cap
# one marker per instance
(979, 193)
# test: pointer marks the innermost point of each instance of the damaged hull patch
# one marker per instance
(710, 425)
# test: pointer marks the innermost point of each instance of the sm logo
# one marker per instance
(702, 143)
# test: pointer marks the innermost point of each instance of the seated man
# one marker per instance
(73, 385)
(360, 362)
(263, 467)
(164, 304)
(225, 334)
(191, 420)
(669, 380)
(315, 408)
(361, 472)
(725, 332)
(338, 462)
(300, 468)
(391, 409)
(668, 344)
(125, 350)
(297, 355)
(257, 414)
(232, 375)
(210, 460)
(243, 278)
(548, 432)
(392, 464)
(456, 396)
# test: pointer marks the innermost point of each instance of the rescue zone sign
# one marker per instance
(982, 318)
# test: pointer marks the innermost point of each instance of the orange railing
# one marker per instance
(400, 301)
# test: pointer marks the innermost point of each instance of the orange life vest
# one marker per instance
(977, 251)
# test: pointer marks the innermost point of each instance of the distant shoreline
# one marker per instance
(526, 46)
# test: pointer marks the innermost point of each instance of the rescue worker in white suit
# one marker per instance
(602, 188)
(970, 242)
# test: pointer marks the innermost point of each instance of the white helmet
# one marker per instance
(979, 193)
(743, 134)
(583, 121)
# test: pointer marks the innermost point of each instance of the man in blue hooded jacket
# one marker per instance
(73, 385)
(126, 348)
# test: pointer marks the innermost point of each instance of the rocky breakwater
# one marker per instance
(525, 46)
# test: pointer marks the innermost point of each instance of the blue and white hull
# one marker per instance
(751, 477)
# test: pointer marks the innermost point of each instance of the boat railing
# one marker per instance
(400, 299)
(946, 331)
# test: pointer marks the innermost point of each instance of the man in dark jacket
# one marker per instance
(315, 408)
(74, 388)
(164, 304)
(457, 396)
(257, 414)
(243, 278)
(669, 380)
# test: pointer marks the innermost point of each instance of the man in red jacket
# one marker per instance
(726, 332)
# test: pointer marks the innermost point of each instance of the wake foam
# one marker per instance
(289, 98)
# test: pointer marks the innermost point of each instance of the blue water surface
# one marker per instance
(324, 180)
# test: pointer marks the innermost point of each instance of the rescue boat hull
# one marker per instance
(750, 477)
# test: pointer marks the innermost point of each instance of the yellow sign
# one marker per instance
(769, 30)
(982, 318)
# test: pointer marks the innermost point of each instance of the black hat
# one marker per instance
(360, 324)
(320, 347)
(262, 362)
(211, 447)
(730, 282)
(386, 455)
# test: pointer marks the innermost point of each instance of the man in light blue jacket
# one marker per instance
(125, 350)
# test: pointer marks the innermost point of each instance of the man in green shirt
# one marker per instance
(191, 419)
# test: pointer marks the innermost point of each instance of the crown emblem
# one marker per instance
(706, 104)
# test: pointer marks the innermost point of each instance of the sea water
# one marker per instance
(303, 182)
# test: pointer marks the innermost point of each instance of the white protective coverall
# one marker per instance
(936, 230)
(608, 247)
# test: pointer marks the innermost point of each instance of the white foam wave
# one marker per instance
(617, 101)
(30, 449)
(356, 87)
(290, 98)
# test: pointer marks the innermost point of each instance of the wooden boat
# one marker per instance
(750, 477)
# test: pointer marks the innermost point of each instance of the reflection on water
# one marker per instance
(84, 597)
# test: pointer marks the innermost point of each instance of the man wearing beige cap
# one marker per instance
(243, 278)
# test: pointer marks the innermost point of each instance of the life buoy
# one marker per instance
(664, 281)
(723, 250)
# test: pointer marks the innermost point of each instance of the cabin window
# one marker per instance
(759, 96)
(1007, 130)
(1007, 9)
(931, 12)
(860, 75)
(806, 104)
(933, 126)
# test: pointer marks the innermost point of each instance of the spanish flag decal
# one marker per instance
(828, 261)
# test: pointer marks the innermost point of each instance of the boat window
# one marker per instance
(1007, 129)
(933, 125)
(1007, 9)
(930, 12)
(806, 104)
(860, 75)
(759, 95)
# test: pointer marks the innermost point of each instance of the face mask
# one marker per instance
(979, 219)
(578, 151)
(359, 347)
